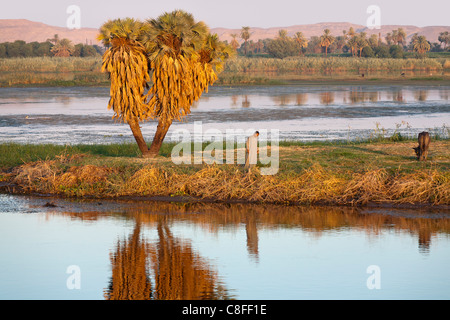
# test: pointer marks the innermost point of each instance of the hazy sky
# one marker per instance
(235, 13)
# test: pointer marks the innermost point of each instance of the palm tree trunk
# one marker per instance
(160, 134)
(136, 129)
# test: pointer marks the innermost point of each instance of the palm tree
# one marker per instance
(55, 39)
(63, 48)
(413, 39)
(344, 34)
(127, 65)
(351, 32)
(234, 43)
(176, 53)
(212, 55)
(352, 43)
(374, 41)
(444, 38)
(301, 40)
(388, 38)
(401, 36)
(184, 59)
(361, 42)
(421, 45)
(245, 35)
(259, 46)
(326, 39)
(282, 34)
(395, 36)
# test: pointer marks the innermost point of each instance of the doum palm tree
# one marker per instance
(127, 65)
(175, 53)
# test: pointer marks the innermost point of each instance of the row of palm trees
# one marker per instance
(178, 56)
(353, 40)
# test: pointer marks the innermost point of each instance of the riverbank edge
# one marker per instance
(313, 174)
(424, 81)
(14, 189)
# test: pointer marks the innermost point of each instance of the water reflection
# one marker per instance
(326, 98)
(178, 272)
(425, 224)
(421, 95)
(298, 99)
(245, 102)
(353, 95)
(326, 112)
(130, 280)
(220, 251)
(171, 268)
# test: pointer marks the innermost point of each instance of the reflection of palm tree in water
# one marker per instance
(421, 95)
(234, 99)
(130, 280)
(301, 98)
(245, 102)
(326, 98)
(179, 273)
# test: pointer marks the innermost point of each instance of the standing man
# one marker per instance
(251, 150)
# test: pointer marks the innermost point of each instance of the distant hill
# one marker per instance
(29, 31)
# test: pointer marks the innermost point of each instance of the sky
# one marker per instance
(235, 13)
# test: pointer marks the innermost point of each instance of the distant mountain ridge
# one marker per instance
(29, 31)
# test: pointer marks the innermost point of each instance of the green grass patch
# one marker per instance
(335, 172)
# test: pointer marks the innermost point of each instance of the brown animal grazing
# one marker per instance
(424, 144)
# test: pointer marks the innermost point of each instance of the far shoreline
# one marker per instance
(15, 190)
(267, 82)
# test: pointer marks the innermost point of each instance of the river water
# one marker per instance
(61, 249)
(158, 250)
(79, 115)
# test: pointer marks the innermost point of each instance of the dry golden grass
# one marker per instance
(346, 174)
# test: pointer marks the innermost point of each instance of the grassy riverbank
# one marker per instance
(75, 71)
(309, 173)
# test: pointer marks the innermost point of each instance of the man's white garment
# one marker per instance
(252, 149)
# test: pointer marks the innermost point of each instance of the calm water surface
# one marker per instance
(181, 251)
(80, 115)
(158, 250)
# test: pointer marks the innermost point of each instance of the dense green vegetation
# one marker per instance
(77, 71)
(349, 56)
(349, 43)
(21, 49)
